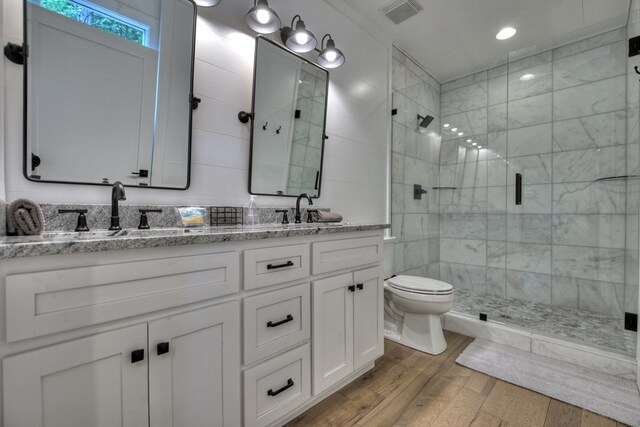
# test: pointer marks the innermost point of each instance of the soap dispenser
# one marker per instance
(252, 213)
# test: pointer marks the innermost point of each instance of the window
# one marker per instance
(100, 18)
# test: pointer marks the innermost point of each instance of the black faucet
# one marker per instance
(117, 193)
(298, 216)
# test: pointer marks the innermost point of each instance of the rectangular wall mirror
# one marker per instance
(289, 117)
(108, 91)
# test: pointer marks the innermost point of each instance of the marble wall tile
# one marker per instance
(497, 143)
(474, 174)
(463, 226)
(397, 168)
(410, 142)
(529, 140)
(530, 82)
(593, 98)
(415, 206)
(498, 88)
(496, 254)
(415, 227)
(451, 175)
(529, 228)
(534, 169)
(530, 111)
(599, 130)
(497, 118)
(529, 286)
(497, 282)
(398, 258)
(590, 43)
(536, 199)
(463, 276)
(497, 226)
(464, 81)
(471, 123)
(463, 251)
(531, 257)
(590, 66)
(564, 292)
(631, 299)
(589, 165)
(397, 138)
(604, 231)
(466, 200)
(415, 254)
(466, 98)
(415, 171)
(397, 198)
(496, 200)
(601, 297)
(499, 70)
(516, 64)
(452, 152)
(589, 263)
(397, 74)
(606, 197)
(397, 225)
(496, 173)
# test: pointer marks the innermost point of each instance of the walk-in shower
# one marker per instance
(532, 170)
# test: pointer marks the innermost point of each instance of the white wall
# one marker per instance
(356, 155)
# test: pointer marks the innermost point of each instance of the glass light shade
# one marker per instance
(301, 40)
(262, 19)
(331, 57)
(207, 3)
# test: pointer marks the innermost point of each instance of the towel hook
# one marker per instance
(265, 126)
(278, 130)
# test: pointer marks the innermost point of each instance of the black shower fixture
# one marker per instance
(424, 122)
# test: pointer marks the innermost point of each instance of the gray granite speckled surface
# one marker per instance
(102, 240)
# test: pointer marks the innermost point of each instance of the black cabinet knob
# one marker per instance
(162, 348)
(137, 355)
(352, 288)
(360, 286)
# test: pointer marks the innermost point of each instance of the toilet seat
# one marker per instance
(420, 285)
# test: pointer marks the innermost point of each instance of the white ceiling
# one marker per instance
(454, 38)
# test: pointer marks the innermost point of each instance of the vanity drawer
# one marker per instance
(276, 387)
(53, 301)
(280, 264)
(347, 253)
(275, 321)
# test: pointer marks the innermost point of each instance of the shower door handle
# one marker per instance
(518, 189)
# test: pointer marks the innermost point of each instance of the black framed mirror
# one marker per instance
(289, 122)
(109, 92)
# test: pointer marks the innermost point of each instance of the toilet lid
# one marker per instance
(420, 285)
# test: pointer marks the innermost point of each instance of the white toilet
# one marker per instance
(412, 310)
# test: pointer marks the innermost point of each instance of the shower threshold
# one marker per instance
(579, 326)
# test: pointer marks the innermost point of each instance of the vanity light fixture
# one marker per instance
(207, 3)
(330, 57)
(262, 19)
(300, 39)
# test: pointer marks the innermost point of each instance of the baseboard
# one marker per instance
(581, 355)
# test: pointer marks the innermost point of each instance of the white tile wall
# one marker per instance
(356, 159)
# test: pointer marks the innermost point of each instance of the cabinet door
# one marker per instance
(332, 331)
(194, 368)
(93, 381)
(368, 323)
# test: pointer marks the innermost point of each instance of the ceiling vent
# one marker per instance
(401, 10)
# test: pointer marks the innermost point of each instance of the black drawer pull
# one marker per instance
(286, 264)
(280, 390)
(360, 286)
(352, 288)
(162, 348)
(137, 356)
(271, 324)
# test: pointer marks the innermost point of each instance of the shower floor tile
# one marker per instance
(580, 326)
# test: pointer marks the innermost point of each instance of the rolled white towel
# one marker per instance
(25, 217)
(326, 216)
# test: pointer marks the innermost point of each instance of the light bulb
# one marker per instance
(302, 38)
(262, 16)
(331, 55)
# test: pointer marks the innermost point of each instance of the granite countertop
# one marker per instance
(57, 243)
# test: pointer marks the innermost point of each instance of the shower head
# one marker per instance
(423, 122)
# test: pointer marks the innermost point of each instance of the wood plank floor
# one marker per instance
(410, 388)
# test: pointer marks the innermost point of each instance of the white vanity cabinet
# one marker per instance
(184, 371)
(347, 325)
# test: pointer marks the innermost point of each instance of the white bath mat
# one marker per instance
(607, 395)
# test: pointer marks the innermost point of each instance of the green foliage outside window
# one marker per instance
(94, 18)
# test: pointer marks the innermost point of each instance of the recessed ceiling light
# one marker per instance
(526, 77)
(506, 33)
(454, 129)
(469, 140)
(446, 125)
(479, 147)
(474, 144)
(460, 133)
